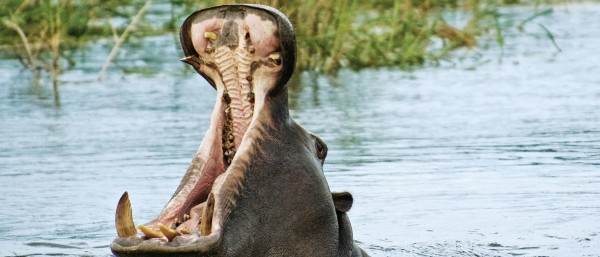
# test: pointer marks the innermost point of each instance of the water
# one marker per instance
(495, 154)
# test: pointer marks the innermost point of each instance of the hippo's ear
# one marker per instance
(342, 201)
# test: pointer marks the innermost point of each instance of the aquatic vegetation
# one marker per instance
(358, 34)
(331, 34)
(41, 33)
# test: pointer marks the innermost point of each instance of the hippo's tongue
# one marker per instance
(240, 54)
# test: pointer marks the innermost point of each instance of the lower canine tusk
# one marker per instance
(124, 218)
(207, 214)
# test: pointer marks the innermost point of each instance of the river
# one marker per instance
(493, 152)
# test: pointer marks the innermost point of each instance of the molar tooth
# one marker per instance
(186, 217)
(124, 218)
(150, 233)
(185, 231)
(168, 232)
(251, 49)
(210, 35)
(226, 98)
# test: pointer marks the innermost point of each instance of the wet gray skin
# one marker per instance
(256, 185)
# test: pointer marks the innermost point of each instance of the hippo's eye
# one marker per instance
(321, 148)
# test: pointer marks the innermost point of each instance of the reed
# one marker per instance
(41, 33)
(358, 34)
(30, 26)
(331, 35)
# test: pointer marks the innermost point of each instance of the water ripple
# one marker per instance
(500, 160)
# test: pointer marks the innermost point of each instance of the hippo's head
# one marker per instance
(256, 185)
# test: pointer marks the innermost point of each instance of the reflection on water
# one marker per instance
(502, 160)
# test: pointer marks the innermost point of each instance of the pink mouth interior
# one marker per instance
(185, 209)
(230, 66)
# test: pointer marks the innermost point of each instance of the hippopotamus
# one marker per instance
(256, 185)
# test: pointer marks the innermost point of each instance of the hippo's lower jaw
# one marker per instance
(238, 49)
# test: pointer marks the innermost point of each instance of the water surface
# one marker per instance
(490, 154)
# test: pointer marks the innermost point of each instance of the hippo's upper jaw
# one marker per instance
(249, 155)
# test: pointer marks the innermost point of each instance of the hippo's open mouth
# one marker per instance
(238, 49)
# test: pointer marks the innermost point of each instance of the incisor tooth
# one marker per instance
(150, 233)
(168, 232)
(124, 218)
(210, 35)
